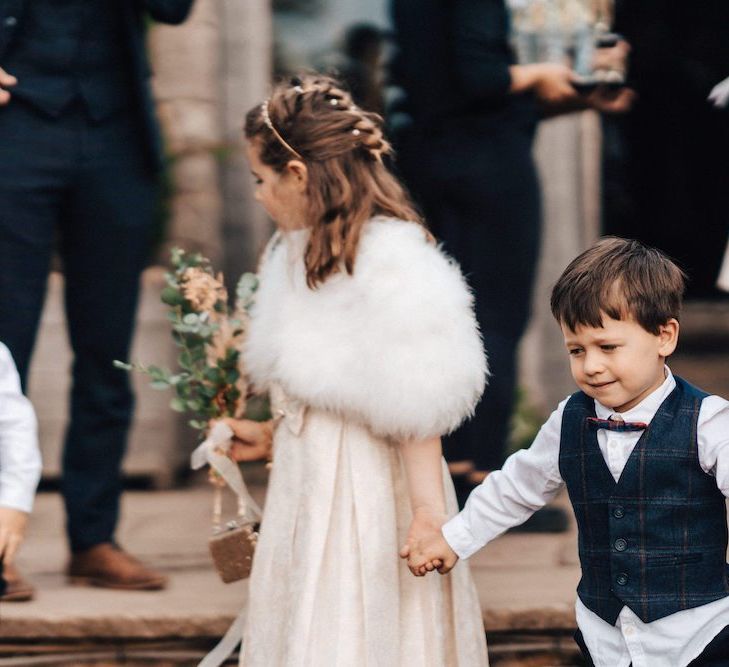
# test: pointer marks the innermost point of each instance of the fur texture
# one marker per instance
(394, 346)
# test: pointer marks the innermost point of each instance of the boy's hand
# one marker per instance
(12, 532)
(252, 440)
(6, 81)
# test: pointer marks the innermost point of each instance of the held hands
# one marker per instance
(12, 532)
(6, 81)
(252, 441)
(426, 549)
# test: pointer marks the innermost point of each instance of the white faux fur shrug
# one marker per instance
(394, 346)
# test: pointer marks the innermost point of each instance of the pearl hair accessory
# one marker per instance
(356, 132)
(269, 124)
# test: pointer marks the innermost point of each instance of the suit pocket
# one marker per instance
(670, 560)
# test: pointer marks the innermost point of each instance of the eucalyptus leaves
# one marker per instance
(209, 332)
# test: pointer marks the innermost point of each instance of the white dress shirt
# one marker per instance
(20, 460)
(530, 478)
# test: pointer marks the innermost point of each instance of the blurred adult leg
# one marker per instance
(490, 223)
(34, 170)
(105, 243)
(480, 196)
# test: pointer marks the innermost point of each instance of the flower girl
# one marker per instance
(364, 336)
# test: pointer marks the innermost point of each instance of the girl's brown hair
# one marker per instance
(313, 119)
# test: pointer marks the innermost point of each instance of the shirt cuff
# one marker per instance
(460, 538)
(17, 499)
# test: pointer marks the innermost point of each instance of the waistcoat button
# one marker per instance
(618, 512)
(622, 579)
(620, 544)
(10, 22)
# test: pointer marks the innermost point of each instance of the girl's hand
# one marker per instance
(425, 525)
(252, 441)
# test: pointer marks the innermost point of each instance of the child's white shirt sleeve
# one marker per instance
(528, 480)
(713, 440)
(20, 460)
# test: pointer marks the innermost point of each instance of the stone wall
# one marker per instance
(567, 152)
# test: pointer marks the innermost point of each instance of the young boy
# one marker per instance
(20, 468)
(645, 459)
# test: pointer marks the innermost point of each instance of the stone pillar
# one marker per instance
(186, 62)
(246, 35)
(567, 153)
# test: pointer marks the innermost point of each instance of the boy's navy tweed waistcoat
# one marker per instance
(656, 540)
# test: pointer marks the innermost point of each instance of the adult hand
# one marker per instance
(553, 83)
(6, 81)
(252, 441)
(12, 532)
(610, 101)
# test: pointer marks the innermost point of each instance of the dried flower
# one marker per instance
(201, 289)
(211, 382)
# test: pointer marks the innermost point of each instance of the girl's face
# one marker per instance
(282, 194)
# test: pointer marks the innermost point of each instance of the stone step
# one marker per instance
(526, 583)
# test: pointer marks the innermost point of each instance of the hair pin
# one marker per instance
(356, 132)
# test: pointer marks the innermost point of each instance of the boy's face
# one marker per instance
(620, 363)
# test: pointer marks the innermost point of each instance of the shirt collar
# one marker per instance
(647, 408)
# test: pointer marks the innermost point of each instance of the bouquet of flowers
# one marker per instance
(210, 382)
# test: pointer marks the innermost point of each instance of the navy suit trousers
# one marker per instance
(86, 189)
(480, 195)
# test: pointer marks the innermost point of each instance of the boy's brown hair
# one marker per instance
(620, 278)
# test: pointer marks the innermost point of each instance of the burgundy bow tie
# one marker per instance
(616, 425)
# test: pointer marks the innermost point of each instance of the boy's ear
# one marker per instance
(297, 170)
(668, 337)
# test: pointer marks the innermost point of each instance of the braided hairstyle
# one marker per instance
(314, 120)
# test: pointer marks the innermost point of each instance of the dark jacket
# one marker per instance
(452, 63)
(133, 13)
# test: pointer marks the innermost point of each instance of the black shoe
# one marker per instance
(545, 520)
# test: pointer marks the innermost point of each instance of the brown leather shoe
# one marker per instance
(108, 566)
(17, 589)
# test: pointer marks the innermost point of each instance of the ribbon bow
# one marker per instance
(213, 452)
(616, 424)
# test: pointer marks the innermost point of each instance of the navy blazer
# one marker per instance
(133, 12)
